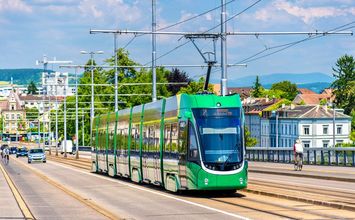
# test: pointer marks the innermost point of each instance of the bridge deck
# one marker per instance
(322, 172)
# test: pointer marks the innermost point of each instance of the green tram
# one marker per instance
(185, 142)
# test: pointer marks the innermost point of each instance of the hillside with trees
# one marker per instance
(21, 76)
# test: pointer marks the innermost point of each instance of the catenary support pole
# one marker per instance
(223, 49)
(76, 116)
(154, 27)
(116, 74)
(65, 117)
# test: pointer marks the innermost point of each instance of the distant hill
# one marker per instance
(265, 80)
(21, 76)
(315, 87)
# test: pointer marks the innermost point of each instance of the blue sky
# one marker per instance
(60, 28)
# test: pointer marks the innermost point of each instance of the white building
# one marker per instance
(253, 108)
(55, 83)
(313, 125)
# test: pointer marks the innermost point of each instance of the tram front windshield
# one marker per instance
(220, 135)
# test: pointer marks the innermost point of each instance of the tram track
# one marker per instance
(316, 196)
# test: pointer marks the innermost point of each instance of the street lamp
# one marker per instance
(92, 114)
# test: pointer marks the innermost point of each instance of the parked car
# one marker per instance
(13, 150)
(21, 152)
(36, 154)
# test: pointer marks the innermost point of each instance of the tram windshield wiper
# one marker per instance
(229, 156)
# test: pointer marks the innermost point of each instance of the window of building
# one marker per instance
(12, 116)
(306, 130)
(339, 142)
(339, 129)
(325, 143)
(306, 144)
(325, 129)
(7, 116)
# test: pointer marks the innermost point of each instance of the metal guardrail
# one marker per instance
(338, 156)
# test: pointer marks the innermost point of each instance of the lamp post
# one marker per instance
(92, 113)
(76, 116)
(65, 117)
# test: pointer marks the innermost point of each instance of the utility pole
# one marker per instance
(92, 114)
(223, 49)
(65, 117)
(333, 125)
(116, 74)
(82, 128)
(154, 40)
(76, 116)
(56, 123)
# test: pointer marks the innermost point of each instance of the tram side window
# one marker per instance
(124, 140)
(111, 145)
(167, 140)
(100, 142)
(93, 147)
(174, 140)
(156, 140)
(145, 139)
(193, 150)
(151, 139)
(135, 140)
(182, 140)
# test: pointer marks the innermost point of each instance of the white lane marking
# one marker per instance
(301, 184)
(153, 192)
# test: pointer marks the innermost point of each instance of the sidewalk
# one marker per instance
(8, 205)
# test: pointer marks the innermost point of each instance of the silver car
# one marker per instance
(36, 154)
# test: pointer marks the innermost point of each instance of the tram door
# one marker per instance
(102, 151)
(145, 154)
(124, 152)
(155, 134)
(182, 149)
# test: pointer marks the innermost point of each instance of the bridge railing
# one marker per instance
(338, 156)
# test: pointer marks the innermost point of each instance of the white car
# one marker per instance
(68, 148)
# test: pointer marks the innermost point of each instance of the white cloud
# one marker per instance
(105, 9)
(88, 7)
(14, 5)
(310, 13)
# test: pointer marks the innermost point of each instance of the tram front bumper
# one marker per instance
(209, 181)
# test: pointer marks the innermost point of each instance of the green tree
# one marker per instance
(31, 88)
(31, 113)
(344, 85)
(249, 141)
(290, 89)
(323, 102)
(352, 136)
(177, 76)
(195, 87)
(277, 94)
(257, 89)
